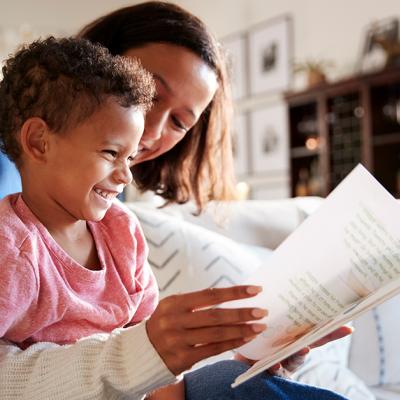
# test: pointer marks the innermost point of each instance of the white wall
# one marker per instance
(323, 28)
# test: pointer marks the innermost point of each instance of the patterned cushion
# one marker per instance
(375, 348)
(187, 257)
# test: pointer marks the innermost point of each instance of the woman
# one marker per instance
(185, 154)
(185, 150)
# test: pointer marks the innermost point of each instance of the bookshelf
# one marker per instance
(332, 127)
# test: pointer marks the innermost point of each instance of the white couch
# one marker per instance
(228, 242)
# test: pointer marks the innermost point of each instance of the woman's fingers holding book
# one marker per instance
(296, 360)
(218, 334)
(183, 331)
(209, 297)
(335, 335)
(220, 316)
(293, 362)
(180, 348)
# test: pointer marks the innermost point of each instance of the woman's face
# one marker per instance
(185, 86)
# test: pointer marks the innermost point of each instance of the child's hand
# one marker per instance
(184, 329)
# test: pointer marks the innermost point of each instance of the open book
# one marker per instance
(341, 261)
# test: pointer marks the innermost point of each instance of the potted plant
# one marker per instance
(314, 69)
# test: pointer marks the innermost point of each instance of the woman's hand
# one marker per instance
(290, 364)
(293, 362)
(185, 328)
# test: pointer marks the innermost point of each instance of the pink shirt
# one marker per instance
(47, 296)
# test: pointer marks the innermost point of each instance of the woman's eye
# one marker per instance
(179, 124)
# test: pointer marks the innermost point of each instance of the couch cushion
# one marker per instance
(326, 367)
(375, 348)
(187, 257)
(255, 222)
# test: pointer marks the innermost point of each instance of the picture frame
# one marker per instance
(377, 35)
(235, 47)
(270, 55)
(240, 146)
(269, 140)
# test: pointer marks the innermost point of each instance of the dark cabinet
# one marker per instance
(333, 127)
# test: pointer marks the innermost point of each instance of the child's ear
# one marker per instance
(34, 139)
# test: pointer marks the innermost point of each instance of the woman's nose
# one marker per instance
(153, 127)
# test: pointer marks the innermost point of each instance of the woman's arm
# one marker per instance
(97, 367)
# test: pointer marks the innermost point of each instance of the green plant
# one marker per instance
(313, 65)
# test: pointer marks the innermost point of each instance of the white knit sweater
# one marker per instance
(120, 365)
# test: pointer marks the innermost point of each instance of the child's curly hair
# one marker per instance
(64, 81)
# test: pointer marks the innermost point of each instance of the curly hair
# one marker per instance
(64, 81)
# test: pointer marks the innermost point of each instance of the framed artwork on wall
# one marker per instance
(236, 53)
(270, 55)
(269, 140)
(240, 133)
(381, 38)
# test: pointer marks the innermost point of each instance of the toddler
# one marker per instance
(75, 286)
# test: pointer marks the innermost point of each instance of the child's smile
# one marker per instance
(105, 194)
(88, 165)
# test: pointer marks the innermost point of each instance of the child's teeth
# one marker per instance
(106, 195)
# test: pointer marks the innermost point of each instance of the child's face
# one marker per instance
(88, 165)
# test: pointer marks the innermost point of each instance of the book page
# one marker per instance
(347, 252)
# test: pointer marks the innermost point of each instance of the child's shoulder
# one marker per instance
(121, 224)
(120, 217)
(119, 211)
(14, 233)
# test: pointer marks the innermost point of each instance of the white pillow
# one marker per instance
(186, 257)
(326, 367)
(375, 348)
(263, 223)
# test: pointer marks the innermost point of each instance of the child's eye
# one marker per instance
(112, 153)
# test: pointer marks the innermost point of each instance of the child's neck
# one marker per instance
(53, 216)
(72, 235)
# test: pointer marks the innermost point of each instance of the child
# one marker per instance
(73, 262)
(73, 268)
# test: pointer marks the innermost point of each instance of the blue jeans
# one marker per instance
(213, 382)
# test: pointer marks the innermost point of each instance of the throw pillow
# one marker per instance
(375, 348)
(187, 257)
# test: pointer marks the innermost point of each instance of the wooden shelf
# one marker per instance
(348, 116)
(387, 139)
(298, 152)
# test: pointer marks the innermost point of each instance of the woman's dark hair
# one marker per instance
(63, 82)
(200, 166)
